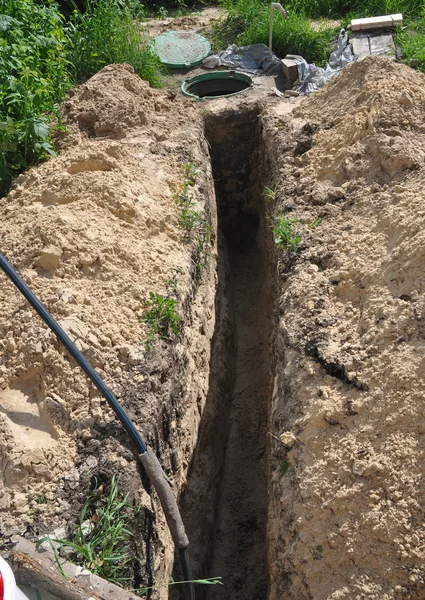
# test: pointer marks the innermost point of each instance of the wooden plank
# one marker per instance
(35, 568)
(377, 22)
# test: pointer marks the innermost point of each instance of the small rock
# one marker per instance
(336, 193)
(406, 99)
(288, 439)
(414, 63)
(88, 466)
(50, 257)
(11, 345)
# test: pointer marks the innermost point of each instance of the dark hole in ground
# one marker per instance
(224, 503)
(217, 87)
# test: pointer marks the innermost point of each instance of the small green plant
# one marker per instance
(208, 581)
(283, 234)
(269, 194)
(162, 12)
(191, 172)
(317, 221)
(161, 318)
(190, 219)
(42, 499)
(102, 538)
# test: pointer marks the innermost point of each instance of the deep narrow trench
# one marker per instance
(225, 500)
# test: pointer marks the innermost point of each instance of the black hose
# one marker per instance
(187, 572)
(179, 537)
(76, 354)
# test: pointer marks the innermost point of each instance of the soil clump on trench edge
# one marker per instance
(289, 410)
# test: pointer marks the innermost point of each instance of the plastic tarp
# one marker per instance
(257, 59)
(313, 78)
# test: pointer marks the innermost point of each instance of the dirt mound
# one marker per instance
(373, 117)
(93, 232)
(351, 381)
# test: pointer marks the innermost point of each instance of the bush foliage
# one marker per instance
(34, 75)
(41, 57)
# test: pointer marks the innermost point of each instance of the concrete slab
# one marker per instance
(372, 43)
(382, 44)
(361, 46)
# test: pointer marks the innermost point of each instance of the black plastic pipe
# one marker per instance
(148, 459)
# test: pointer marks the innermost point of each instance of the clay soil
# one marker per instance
(338, 329)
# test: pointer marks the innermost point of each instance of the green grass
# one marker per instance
(247, 22)
(103, 544)
(283, 233)
(412, 42)
(208, 581)
(108, 33)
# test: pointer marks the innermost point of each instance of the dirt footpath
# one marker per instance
(347, 507)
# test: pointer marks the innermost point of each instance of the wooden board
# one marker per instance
(385, 21)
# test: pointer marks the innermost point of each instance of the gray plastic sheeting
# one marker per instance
(313, 78)
(255, 59)
(258, 60)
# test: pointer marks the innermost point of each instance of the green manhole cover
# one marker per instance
(181, 49)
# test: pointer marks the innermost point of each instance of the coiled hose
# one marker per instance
(146, 456)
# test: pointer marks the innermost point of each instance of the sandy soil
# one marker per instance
(347, 517)
(93, 232)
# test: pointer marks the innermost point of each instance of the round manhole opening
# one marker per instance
(216, 84)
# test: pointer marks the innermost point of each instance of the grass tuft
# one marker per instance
(102, 539)
(283, 233)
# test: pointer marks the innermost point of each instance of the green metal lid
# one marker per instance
(180, 49)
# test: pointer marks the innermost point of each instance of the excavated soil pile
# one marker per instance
(348, 491)
(93, 232)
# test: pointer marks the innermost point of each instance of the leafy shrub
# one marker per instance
(34, 76)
